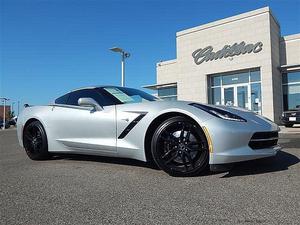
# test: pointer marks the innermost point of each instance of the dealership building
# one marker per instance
(241, 61)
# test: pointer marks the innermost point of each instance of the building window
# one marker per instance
(291, 90)
(167, 93)
(241, 89)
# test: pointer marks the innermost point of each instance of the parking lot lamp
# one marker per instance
(124, 56)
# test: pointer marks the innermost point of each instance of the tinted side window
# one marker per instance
(74, 96)
(88, 93)
(62, 100)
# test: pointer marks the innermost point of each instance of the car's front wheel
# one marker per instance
(35, 141)
(179, 147)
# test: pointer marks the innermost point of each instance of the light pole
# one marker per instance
(18, 107)
(4, 100)
(12, 107)
(124, 56)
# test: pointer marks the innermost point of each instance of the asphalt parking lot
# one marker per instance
(98, 190)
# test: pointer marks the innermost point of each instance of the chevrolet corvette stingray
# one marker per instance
(181, 137)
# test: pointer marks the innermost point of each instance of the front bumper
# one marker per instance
(231, 140)
(242, 154)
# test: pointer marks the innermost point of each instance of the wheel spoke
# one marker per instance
(28, 137)
(184, 161)
(194, 149)
(169, 137)
(172, 158)
(182, 132)
(190, 160)
(30, 145)
(33, 147)
(168, 152)
(39, 138)
(194, 143)
(187, 137)
(197, 149)
(37, 133)
(39, 142)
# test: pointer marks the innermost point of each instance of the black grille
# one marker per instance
(264, 135)
(262, 140)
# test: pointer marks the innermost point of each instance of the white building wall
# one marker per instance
(276, 73)
(167, 72)
(290, 50)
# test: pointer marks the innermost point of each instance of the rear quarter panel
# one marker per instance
(40, 113)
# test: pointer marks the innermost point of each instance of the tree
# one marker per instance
(11, 114)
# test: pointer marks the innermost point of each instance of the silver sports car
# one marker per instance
(181, 137)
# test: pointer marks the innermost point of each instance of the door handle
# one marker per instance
(125, 119)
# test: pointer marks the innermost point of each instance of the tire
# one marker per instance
(35, 141)
(179, 147)
(289, 125)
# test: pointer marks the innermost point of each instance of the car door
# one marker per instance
(83, 129)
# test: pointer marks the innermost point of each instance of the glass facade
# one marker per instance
(235, 78)
(167, 93)
(291, 90)
(256, 97)
(241, 89)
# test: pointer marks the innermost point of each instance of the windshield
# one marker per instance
(129, 95)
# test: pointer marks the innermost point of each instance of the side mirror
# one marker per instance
(89, 102)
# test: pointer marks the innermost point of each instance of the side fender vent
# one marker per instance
(131, 125)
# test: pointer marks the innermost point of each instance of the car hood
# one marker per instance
(247, 114)
(180, 104)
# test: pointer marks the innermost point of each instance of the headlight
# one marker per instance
(223, 114)
(282, 114)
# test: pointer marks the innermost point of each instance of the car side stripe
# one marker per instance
(131, 125)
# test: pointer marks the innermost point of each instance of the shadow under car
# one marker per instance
(282, 161)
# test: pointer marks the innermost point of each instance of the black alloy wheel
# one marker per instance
(35, 141)
(179, 147)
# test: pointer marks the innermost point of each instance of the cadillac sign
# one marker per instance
(207, 54)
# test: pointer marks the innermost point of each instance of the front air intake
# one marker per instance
(261, 140)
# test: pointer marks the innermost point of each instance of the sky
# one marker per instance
(49, 47)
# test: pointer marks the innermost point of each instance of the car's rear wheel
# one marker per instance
(179, 147)
(35, 141)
